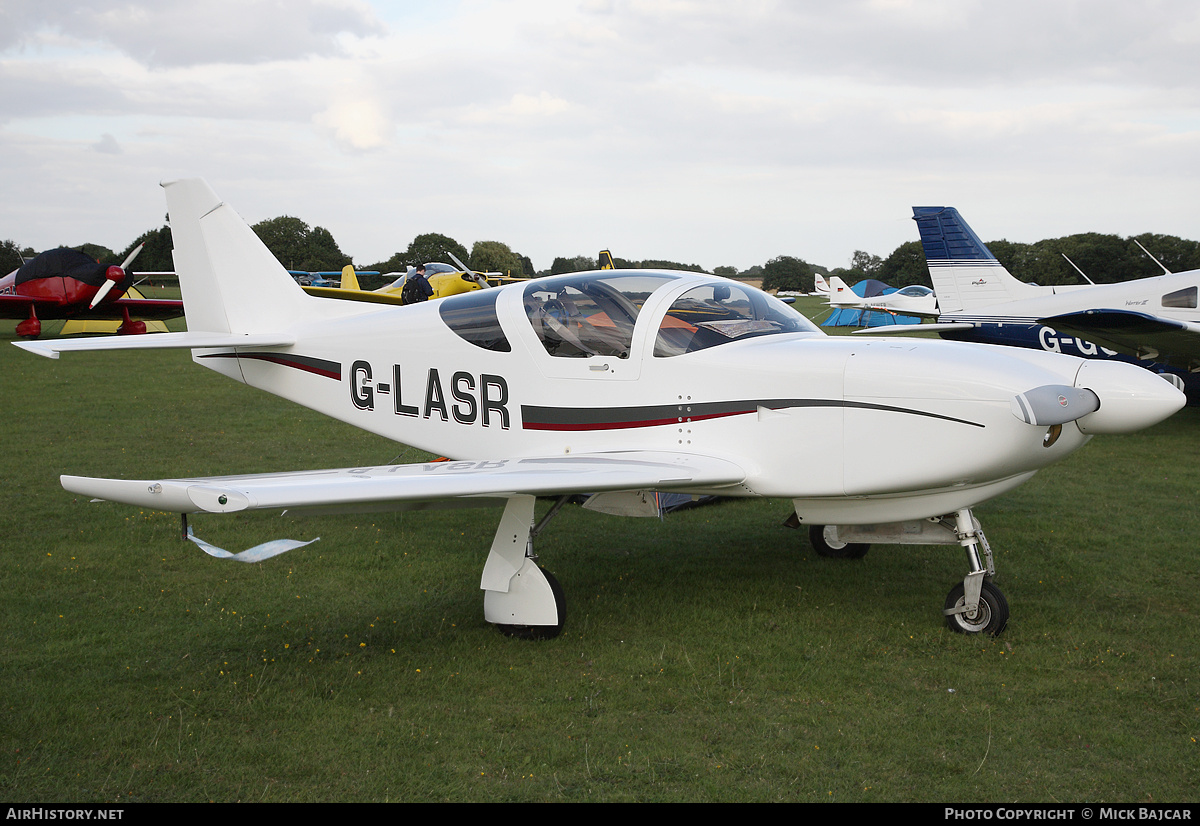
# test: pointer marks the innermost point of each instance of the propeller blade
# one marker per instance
(114, 275)
(103, 291)
(132, 255)
(458, 263)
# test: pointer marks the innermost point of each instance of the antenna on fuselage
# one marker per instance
(1081, 272)
(1152, 258)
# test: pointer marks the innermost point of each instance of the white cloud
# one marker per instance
(191, 32)
(358, 124)
(107, 145)
(688, 130)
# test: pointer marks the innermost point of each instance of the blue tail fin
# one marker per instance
(946, 236)
(965, 274)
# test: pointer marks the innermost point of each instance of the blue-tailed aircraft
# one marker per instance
(625, 383)
(1154, 322)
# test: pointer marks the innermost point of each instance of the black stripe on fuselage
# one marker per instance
(309, 364)
(534, 417)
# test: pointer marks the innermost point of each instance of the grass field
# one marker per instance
(710, 657)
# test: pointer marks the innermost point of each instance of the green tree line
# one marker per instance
(1104, 258)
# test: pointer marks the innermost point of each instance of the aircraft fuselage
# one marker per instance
(808, 416)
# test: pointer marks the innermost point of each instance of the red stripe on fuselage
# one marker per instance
(631, 424)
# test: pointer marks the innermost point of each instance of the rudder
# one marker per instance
(231, 283)
(965, 274)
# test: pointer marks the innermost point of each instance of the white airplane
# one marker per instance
(625, 382)
(1155, 321)
(821, 287)
(914, 299)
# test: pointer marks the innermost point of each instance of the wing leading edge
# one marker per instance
(1149, 337)
(398, 484)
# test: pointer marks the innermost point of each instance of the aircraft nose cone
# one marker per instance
(1131, 398)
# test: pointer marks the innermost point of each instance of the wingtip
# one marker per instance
(38, 348)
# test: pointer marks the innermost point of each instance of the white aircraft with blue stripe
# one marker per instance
(1154, 322)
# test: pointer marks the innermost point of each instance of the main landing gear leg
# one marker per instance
(975, 605)
(30, 327)
(129, 327)
(520, 598)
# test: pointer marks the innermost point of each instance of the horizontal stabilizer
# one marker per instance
(156, 341)
(495, 479)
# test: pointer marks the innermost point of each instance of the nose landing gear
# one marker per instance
(973, 606)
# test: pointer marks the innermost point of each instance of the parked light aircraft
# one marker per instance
(625, 382)
(821, 288)
(914, 299)
(325, 278)
(443, 278)
(820, 285)
(1155, 321)
(66, 283)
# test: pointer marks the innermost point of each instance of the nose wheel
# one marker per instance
(975, 605)
(989, 616)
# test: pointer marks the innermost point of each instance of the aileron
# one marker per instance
(495, 479)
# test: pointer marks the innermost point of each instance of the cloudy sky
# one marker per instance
(704, 131)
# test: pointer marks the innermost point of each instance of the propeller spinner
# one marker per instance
(114, 276)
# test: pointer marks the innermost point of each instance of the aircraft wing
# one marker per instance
(153, 308)
(354, 295)
(17, 306)
(392, 486)
(1149, 337)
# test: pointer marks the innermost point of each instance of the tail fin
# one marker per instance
(605, 261)
(965, 274)
(349, 278)
(840, 294)
(820, 285)
(231, 283)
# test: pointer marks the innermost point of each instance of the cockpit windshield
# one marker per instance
(589, 314)
(430, 269)
(718, 313)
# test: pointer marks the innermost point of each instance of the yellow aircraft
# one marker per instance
(443, 278)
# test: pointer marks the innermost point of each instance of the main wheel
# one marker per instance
(540, 632)
(824, 541)
(989, 618)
